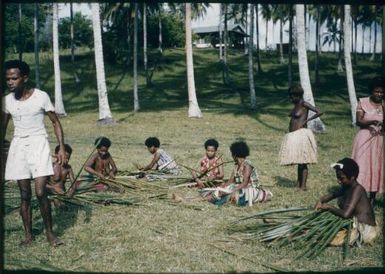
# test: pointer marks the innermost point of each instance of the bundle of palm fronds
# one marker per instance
(310, 233)
(94, 198)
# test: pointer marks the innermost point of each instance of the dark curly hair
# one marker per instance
(240, 149)
(102, 142)
(376, 82)
(152, 141)
(21, 65)
(296, 89)
(67, 148)
(211, 143)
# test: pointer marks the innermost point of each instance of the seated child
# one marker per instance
(101, 163)
(352, 203)
(161, 159)
(56, 183)
(242, 187)
(210, 165)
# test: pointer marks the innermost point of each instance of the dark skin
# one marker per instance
(298, 119)
(16, 83)
(153, 164)
(352, 201)
(376, 98)
(101, 164)
(56, 184)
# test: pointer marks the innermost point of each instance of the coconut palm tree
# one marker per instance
(348, 63)
(135, 68)
(19, 32)
(259, 67)
(280, 14)
(266, 13)
(220, 32)
(193, 110)
(145, 62)
(36, 36)
(72, 34)
(316, 125)
(160, 28)
(383, 38)
(375, 18)
(105, 116)
(253, 99)
(59, 106)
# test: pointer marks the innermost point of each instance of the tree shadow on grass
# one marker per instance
(285, 182)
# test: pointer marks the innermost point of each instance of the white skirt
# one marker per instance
(298, 147)
(28, 157)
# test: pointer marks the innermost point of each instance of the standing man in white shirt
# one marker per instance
(29, 153)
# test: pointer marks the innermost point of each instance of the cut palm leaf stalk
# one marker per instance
(310, 233)
(97, 199)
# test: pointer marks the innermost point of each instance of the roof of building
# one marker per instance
(211, 29)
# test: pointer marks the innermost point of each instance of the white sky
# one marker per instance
(212, 19)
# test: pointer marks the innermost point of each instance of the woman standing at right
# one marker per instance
(368, 145)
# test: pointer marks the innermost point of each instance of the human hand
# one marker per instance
(62, 157)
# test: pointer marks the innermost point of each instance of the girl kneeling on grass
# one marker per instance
(243, 187)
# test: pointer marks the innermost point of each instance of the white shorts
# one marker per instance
(28, 157)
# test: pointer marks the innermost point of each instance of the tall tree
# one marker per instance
(374, 18)
(383, 38)
(145, 62)
(72, 35)
(316, 125)
(253, 99)
(267, 15)
(20, 35)
(105, 116)
(290, 57)
(225, 45)
(259, 67)
(135, 68)
(348, 63)
(160, 28)
(220, 31)
(193, 110)
(36, 36)
(59, 106)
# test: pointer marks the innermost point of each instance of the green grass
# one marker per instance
(158, 235)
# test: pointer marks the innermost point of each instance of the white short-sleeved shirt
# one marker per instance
(28, 115)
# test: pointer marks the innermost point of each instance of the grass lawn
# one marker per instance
(159, 235)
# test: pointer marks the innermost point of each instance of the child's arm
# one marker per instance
(349, 210)
(114, 169)
(316, 111)
(327, 198)
(221, 174)
(90, 169)
(72, 189)
(153, 162)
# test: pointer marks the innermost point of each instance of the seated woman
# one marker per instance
(352, 203)
(243, 187)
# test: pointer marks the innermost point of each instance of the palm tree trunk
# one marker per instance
(145, 62)
(317, 46)
(363, 39)
(160, 31)
(59, 106)
(226, 41)
(253, 99)
(245, 39)
(259, 68)
(220, 31)
(72, 33)
(19, 37)
(355, 41)
(375, 41)
(105, 116)
(383, 39)
(340, 67)
(135, 68)
(370, 37)
(316, 125)
(36, 36)
(282, 60)
(348, 64)
(267, 28)
(193, 109)
(290, 64)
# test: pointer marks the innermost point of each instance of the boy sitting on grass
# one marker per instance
(161, 160)
(242, 188)
(353, 203)
(211, 165)
(56, 183)
(101, 163)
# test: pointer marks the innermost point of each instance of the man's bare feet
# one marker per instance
(27, 241)
(54, 241)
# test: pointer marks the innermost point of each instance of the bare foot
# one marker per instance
(303, 188)
(56, 242)
(177, 198)
(27, 241)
